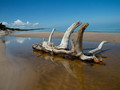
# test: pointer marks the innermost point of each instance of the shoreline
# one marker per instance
(88, 36)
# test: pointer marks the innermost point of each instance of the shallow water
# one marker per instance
(27, 69)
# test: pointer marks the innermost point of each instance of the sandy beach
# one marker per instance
(31, 70)
(88, 36)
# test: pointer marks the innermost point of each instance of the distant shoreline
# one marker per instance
(63, 30)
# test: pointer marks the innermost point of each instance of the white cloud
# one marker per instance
(20, 24)
(4, 23)
(28, 23)
(36, 24)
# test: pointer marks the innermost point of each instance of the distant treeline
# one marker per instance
(5, 28)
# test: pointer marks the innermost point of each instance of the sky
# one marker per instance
(57, 13)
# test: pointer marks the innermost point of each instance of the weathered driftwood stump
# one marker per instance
(64, 51)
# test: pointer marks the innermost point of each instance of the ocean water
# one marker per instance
(91, 28)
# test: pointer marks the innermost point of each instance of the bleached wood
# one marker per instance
(73, 46)
(65, 40)
(62, 49)
(98, 48)
(78, 44)
(50, 37)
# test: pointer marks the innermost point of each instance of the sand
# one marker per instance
(5, 66)
(2, 51)
(88, 36)
(2, 48)
(23, 70)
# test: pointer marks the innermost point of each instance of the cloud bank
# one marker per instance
(20, 24)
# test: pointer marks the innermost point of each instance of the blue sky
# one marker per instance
(56, 13)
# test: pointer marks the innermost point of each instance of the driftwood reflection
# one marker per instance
(74, 67)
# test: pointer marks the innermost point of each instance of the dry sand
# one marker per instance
(88, 36)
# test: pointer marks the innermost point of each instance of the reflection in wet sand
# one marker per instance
(74, 67)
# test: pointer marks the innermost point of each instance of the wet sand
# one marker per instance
(88, 36)
(21, 68)
(5, 67)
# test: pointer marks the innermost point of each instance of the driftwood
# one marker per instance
(63, 50)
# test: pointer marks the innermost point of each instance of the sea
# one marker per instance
(91, 28)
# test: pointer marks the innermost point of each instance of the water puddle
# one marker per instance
(32, 70)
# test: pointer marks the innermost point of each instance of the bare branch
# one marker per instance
(78, 43)
(65, 40)
(98, 48)
(50, 37)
